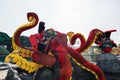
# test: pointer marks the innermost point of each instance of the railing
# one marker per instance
(90, 57)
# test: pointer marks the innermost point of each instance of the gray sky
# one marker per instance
(62, 15)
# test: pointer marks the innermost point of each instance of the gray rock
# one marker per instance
(110, 65)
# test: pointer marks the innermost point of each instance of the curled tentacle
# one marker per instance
(33, 20)
(75, 37)
(19, 51)
(86, 44)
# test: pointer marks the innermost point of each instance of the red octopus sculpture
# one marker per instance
(56, 42)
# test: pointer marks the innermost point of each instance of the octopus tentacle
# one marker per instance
(95, 70)
(19, 52)
(74, 38)
(22, 62)
(86, 44)
(33, 20)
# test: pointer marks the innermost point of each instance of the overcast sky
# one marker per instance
(63, 15)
